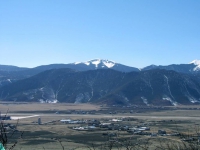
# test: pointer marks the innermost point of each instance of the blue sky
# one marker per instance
(132, 32)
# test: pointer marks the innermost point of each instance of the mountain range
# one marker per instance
(104, 82)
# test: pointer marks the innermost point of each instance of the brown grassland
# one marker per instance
(53, 134)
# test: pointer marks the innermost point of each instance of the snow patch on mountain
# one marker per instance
(102, 63)
(145, 101)
(197, 63)
(108, 63)
(53, 101)
(96, 62)
(167, 98)
(77, 63)
(48, 101)
(192, 100)
(83, 97)
(79, 98)
(9, 80)
(167, 81)
(87, 63)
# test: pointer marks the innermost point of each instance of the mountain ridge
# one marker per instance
(102, 64)
(9, 74)
(149, 87)
(101, 81)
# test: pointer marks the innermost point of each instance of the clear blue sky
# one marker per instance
(132, 32)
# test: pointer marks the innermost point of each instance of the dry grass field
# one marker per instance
(54, 135)
(38, 107)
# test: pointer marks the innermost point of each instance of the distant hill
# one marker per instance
(10, 68)
(183, 68)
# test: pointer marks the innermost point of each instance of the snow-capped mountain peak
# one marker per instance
(95, 62)
(197, 63)
(108, 63)
(99, 63)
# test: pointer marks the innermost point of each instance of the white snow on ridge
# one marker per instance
(87, 63)
(197, 63)
(77, 63)
(108, 63)
(98, 62)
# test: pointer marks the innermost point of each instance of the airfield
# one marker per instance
(52, 133)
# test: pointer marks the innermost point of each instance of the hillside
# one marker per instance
(151, 87)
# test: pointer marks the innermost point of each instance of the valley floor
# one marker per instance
(53, 134)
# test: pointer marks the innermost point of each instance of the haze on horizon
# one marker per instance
(133, 33)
